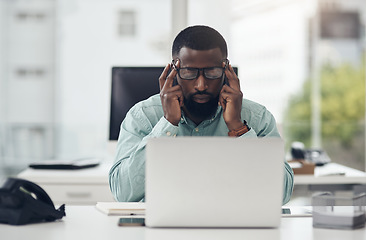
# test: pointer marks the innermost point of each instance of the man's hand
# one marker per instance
(231, 100)
(171, 96)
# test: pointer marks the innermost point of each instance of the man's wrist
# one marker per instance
(235, 125)
(239, 131)
(175, 122)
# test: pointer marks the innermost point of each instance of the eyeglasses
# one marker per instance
(210, 73)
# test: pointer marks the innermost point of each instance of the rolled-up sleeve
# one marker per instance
(288, 183)
(263, 124)
(127, 175)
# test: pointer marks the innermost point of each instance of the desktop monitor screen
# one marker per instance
(131, 85)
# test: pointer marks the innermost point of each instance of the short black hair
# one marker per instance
(199, 37)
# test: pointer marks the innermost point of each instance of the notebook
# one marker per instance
(214, 182)
(121, 208)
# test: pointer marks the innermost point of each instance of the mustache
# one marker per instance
(202, 93)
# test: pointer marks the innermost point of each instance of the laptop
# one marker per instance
(214, 182)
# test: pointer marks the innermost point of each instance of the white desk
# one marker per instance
(82, 187)
(331, 177)
(330, 174)
(88, 186)
(85, 222)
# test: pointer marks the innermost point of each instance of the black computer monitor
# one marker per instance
(131, 85)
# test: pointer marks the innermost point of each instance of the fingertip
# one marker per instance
(166, 70)
(223, 89)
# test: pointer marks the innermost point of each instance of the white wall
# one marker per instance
(88, 47)
(2, 89)
(83, 44)
(269, 47)
(27, 80)
(2, 84)
(214, 13)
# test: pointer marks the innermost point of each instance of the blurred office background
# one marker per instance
(303, 59)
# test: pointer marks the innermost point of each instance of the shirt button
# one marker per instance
(196, 129)
(168, 133)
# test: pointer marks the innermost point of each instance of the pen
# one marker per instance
(334, 174)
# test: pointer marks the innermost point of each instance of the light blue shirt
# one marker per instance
(146, 120)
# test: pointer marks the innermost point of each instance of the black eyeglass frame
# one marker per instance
(226, 61)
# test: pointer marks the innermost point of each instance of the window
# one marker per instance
(127, 23)
(338, 87)
(310, 76)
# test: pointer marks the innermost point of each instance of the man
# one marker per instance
(200, 96)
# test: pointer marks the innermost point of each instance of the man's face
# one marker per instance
(201, 95)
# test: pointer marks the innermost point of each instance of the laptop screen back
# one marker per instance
(214, 182)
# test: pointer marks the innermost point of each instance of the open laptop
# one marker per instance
(214, 182)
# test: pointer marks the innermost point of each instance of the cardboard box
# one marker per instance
(302, 167)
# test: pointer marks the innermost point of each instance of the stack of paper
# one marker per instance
(121, 208)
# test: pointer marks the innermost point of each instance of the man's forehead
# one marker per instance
(190, 54)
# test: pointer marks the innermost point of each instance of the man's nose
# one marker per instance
(201, 82)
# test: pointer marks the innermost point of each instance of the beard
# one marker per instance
(201, 110)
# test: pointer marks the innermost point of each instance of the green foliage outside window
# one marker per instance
(342, 107)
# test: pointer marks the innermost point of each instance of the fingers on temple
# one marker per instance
(233, 80)
(163, 76)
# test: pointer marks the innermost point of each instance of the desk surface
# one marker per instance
(332, 173)
(85, 222)
(326, 174)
